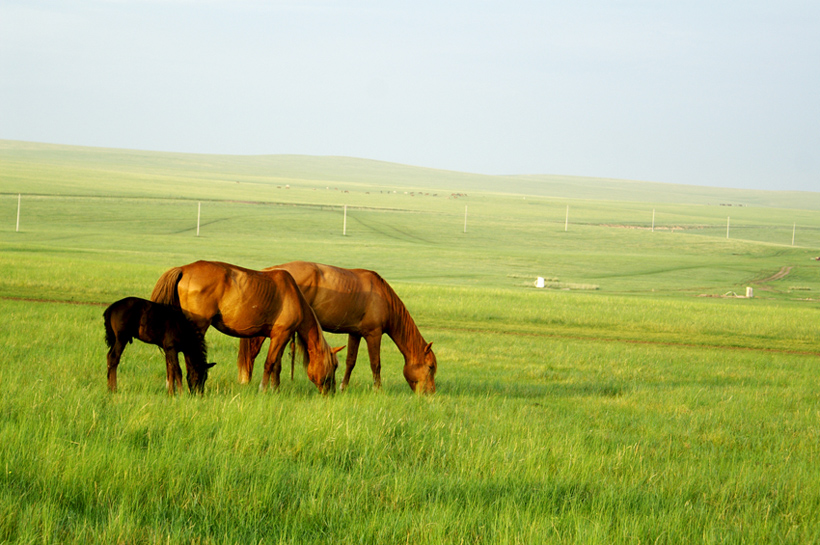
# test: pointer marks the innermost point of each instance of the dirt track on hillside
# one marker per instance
(779, 275)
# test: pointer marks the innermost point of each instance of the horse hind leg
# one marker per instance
(273, 362)
(350, 362)
(248, 350)
(113, 360)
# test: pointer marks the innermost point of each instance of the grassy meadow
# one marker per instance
(636, 400)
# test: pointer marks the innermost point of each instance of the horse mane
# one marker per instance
(399, 322)
(301, 346)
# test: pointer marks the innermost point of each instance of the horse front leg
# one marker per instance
(350, 362)
(374, 347)
(248, 350)
(190, 372)
(173, 373)
(113, 360)
(273, 362)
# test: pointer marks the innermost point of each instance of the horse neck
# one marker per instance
(402, 329)
(197, 355)
(195, 347)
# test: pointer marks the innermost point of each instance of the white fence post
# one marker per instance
(465, 218)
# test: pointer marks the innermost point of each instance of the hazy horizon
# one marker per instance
(705, 94)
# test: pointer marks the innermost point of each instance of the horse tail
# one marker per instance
(110, 336)
(165, 290)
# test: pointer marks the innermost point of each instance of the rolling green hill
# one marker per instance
(70, 168)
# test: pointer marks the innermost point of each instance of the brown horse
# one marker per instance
(246, 303)
(360, 303)
(164, 326)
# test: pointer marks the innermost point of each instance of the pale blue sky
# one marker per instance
(722, 93)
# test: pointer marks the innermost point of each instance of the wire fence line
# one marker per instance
(26, 211)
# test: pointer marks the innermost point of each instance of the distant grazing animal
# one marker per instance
(164, 326)
(360, 303)
(246, 303)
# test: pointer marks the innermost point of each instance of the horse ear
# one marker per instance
(337, 350)
(209, 365)
(428, 348)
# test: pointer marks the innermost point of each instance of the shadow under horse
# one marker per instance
(362, 304)
(161, 325)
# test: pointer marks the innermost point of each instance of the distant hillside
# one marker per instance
(23, 162)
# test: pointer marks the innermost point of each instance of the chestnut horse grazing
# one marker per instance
(246, 303)
(360, 303)
(164, 326)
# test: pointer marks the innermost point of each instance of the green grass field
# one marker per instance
(636, 401)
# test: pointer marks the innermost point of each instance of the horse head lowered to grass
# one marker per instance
(246, 303)
(360, 303)
(161, 325)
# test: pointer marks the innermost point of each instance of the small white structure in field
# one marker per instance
(750, 292)
(539, 282)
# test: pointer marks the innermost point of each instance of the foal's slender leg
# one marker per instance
(350, 361)
(273, 363)
(374, 346)
(248, 350)
(113, 360)
(173, 373)
(178, 377)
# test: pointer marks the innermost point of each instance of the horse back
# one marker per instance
(239, 301)
(344, 300)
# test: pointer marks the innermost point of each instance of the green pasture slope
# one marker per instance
(635, 400)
